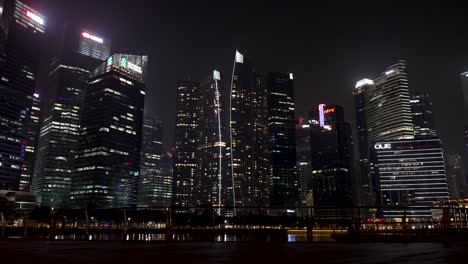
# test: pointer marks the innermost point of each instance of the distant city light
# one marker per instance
(364, 82)
(36, 95)
(34, 17)
(92, 37)
(291, 76)
(321, 115)
(389, 72)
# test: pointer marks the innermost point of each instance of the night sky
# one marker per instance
(327, 48)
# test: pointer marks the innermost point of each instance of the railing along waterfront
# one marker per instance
(240, 223)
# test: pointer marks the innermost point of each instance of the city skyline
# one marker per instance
(275, 122)
(307, 50)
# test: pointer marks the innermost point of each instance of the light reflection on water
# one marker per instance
(187, 237)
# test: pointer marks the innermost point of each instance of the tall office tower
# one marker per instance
(388, 108)
(423, 118)
(281, 123)
(331, 157)
(211, 146)
(107, 159)
(455, 174)
(32, 135)
(78, 53)
(409, 173)
(247, 153)
(21, 34)
(303, 160)
(261, 142)
(186, 133)
(155, 183)
(464, 84)
(363, 175)
(465, 163)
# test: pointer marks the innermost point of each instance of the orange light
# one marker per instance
(328, 111)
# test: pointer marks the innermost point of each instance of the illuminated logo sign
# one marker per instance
(92, 37)
(389, 72)
(123, 63)
(109, 61)
(321, 115)
(134, 67)
(328, 111)
(35, 17)
(291, 76)
(383, 146)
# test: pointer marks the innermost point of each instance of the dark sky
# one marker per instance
(328, 48)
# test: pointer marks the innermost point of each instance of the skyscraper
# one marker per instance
(409, 173)
(281, 123)
(455, 174)
(107, 159)
(21, 33)
(363, 175)
(331, 157)
(32, 135)
(210, 177)
(247, 151)
(423, 117)
(186, 133)
(155, 183)
(465, 163)
(464, 87)
(78, 53)
(388, 109)
(303, 160)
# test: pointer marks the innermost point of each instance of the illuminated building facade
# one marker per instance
(155, 183)
(211, 179)
(281, 124)
(388, 107)
(331, 158)
(70, 69)
(409, 173)
(21, 33)
(423, 117)
(363, 175)
(32, 135)
(186, 135)
(107, 159)
(248, 152)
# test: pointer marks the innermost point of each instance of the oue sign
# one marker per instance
(383, 146)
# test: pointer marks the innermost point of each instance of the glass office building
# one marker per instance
(409, 174)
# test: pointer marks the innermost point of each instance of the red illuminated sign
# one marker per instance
(328, 111)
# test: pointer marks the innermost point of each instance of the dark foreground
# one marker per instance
(24, 251)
